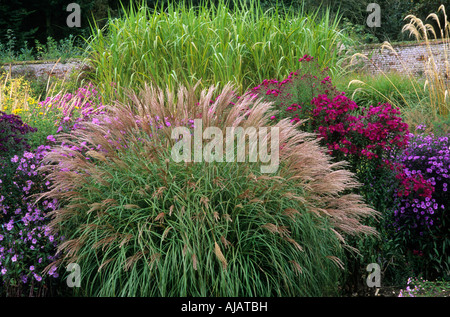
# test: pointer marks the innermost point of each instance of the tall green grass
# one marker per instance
(212, 43)
(370, 89)
(422, 99)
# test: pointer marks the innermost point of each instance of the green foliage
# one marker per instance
(395, 88)
(358, 32)
(181, 46)
(166, 245)
(377, 188)
(14, 15)
(69, 47)
(441, 126)
(158, 227)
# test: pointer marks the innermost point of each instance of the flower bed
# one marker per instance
(402, 175)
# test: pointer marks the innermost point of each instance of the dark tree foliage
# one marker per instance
(393, 13)
(38, 19)
(13, 15)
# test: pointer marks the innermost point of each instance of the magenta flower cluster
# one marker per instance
(367, 132)
(292, 96)
(75, 108)
(344, 127)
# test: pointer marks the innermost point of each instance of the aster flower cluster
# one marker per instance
(27, 247)
(425, 177)
(26, 244)
(413, 287)
(421, 207)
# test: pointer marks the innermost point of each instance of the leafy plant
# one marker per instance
(419, 287)
(427, 97)
(421, 216)
(12, 135)
(211, 43)
(158, 227)
(64, 49)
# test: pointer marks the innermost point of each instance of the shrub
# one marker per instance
(292, 96)
(26, 245)
(13, 139)
(421, 216)
(362, 136)
(140, 223)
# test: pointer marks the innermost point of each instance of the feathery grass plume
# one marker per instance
(427, 98)
(199, 228)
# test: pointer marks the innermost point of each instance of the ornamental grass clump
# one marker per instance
(139, 223)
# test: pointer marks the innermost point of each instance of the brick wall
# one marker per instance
(407, 57)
